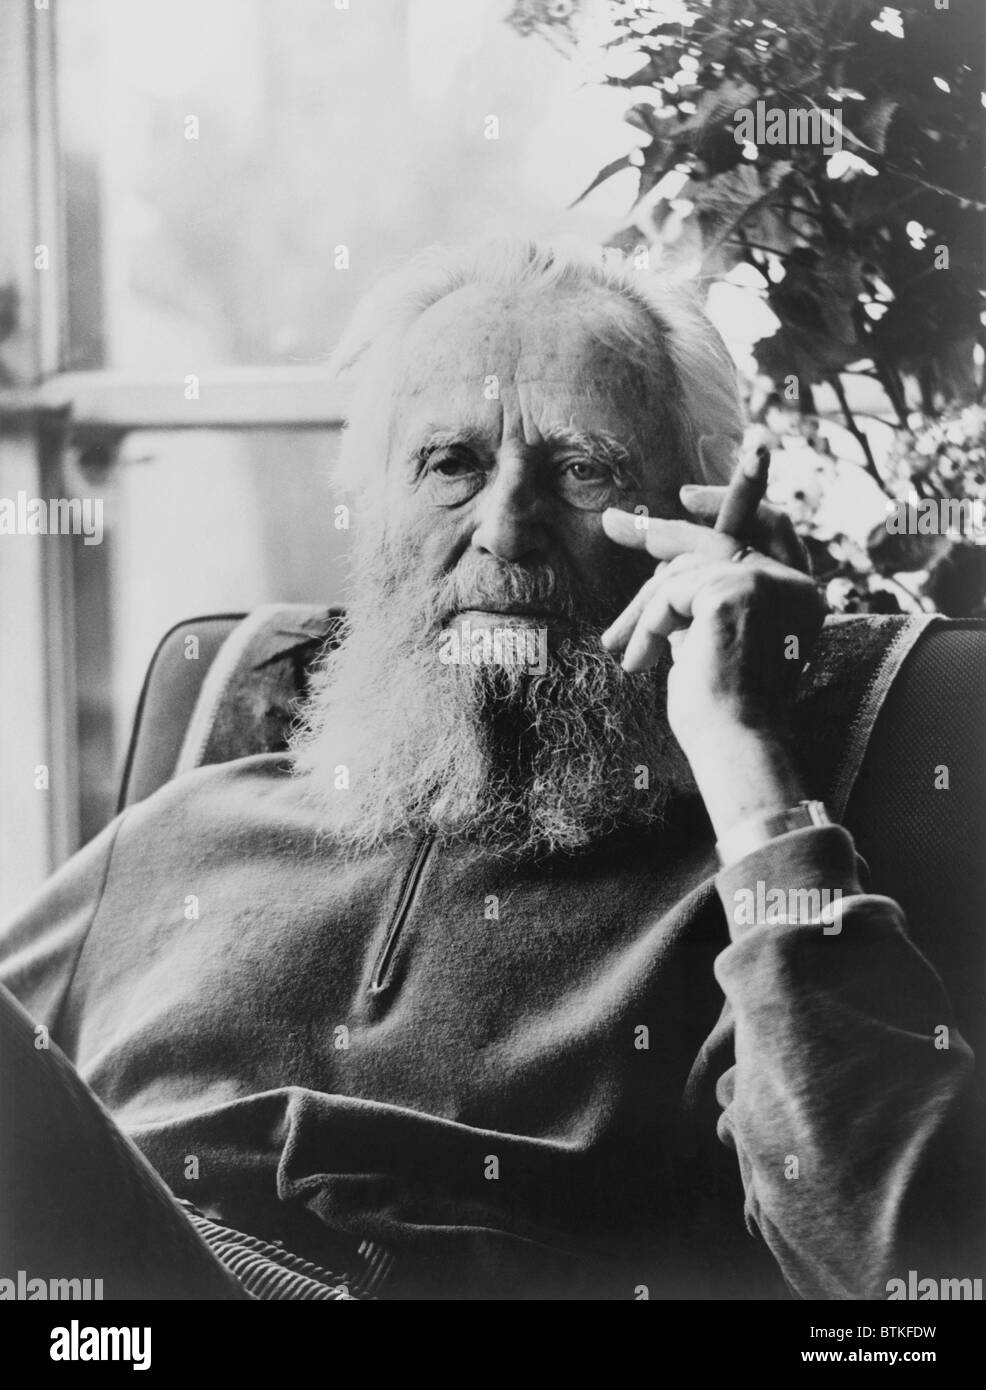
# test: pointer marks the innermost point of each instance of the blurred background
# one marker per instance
(194, 194)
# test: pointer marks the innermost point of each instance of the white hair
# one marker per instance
(706, 412)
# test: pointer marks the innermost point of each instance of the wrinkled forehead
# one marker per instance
(585, 349)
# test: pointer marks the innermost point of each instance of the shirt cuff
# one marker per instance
(801, 876)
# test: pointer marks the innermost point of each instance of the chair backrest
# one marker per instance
(223, 686)
(167, 698)
(917, 809)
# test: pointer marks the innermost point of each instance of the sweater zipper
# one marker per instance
(380, 970)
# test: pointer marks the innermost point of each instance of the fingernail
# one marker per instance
(690, 487)
(621, 521)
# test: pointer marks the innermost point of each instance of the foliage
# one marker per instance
(870, 258)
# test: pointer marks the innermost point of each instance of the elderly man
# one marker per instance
(449, 1014)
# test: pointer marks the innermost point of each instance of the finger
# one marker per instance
(785, 544)
(620, 630)
(772, 532)
(677, 601)
(664, 538)
(660, 618)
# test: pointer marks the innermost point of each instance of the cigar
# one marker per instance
(747, 486)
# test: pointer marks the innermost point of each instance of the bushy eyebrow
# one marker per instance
(431, 440)
(444, 438)
(595, 444)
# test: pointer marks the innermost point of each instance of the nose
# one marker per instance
(508, 511)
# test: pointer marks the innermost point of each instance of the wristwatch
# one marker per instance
(740, 840)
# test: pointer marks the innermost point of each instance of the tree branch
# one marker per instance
(856, 432)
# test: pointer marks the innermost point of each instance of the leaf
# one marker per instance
(800, 350)
(728, 200)
(641, 117)
(876, 122)
(616, 166)
(900, 554)
(717, 107)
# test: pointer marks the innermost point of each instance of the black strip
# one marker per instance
(377, 981)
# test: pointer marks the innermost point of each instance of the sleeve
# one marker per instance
(39, 948)
(852, 1105)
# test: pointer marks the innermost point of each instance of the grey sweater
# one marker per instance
(524, 1081)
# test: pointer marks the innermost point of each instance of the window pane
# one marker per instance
(195, 522)
(218, 152)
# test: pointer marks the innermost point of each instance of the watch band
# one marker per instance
(741, 840)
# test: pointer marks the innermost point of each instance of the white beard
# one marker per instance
(394, 741)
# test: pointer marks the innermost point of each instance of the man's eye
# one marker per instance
(451, 478)
(586, 484)
(585, 472)
(453, 466)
